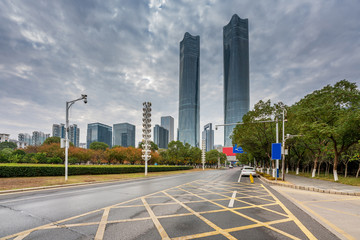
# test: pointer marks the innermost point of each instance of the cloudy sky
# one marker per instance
(122, 53)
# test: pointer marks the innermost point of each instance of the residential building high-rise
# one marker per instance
(25, 139)
(236, 73)
(124, 134)
(167, 122)
(58, 130)
(98, 132)
(39, 138)
(189, 91)
(74, 135)
(161, 136)
(208, 135)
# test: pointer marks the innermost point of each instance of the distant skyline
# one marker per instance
(123, 53)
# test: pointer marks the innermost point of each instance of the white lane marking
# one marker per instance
(240, 177)
(231, 203)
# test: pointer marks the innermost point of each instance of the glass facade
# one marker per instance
(124, 134)
(189, 90)
(208, 135)
(98, 132)
(168, 123)
(161, 136)
(236, 73)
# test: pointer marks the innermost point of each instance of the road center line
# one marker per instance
(231, 203)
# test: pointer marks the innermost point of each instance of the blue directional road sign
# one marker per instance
(237, 149)
(276, 151)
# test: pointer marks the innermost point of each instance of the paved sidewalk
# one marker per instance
(332, 187)
(316, 185)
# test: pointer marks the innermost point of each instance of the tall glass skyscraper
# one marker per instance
(98, 132)
(168, 123)
(189, 90)
(236, 73)
(161, 136)
(124, 134)
(208, 135)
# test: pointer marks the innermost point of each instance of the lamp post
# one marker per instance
(68, 105)
(283, 147)
(146, 134)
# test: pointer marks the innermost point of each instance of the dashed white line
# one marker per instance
(231, 203)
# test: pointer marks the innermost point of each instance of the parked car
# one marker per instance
(246, 171)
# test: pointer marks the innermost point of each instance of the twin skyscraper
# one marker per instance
(236, 81)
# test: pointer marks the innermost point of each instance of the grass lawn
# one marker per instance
(348, 180)
(28, 182)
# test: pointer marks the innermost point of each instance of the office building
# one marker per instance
(189, 90)
(208, 135)
(98, 132)
(236, 73)
(168, 123)
(161, 136)
(124, 134)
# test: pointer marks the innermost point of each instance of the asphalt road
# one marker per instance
(201, 205)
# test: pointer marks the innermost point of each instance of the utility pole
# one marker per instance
(283, 147)
(68, 106)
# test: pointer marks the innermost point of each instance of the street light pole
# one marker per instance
(283, 147)
(68, 105)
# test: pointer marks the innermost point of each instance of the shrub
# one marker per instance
(21, 170)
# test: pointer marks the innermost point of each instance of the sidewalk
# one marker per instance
(316, 185)
(338, 211)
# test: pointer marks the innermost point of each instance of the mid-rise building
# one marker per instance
(98, 132)
(208, 135)
(4, 137)
(189, 91)
(161, 136)
(124, 134)
(168, 123)
(236, 74)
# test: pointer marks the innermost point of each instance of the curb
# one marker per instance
(75, 185)
(312, 189)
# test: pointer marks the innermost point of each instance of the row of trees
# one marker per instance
(100, 153)
(327, 125)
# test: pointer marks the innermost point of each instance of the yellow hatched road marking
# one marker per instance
(101, 229)
(297, 222)
(218, 229)
(158, 225)
(252, 219)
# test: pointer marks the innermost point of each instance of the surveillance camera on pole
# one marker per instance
(146, 133)
(68, 105)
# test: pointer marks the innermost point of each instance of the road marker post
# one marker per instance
(251, 178)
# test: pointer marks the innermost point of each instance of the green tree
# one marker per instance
(98, 146)
(7, 145)
(254, 137)
(52, 140)
(332, 113)
(153, 146)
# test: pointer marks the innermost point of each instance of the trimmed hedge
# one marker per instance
(36, 170)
